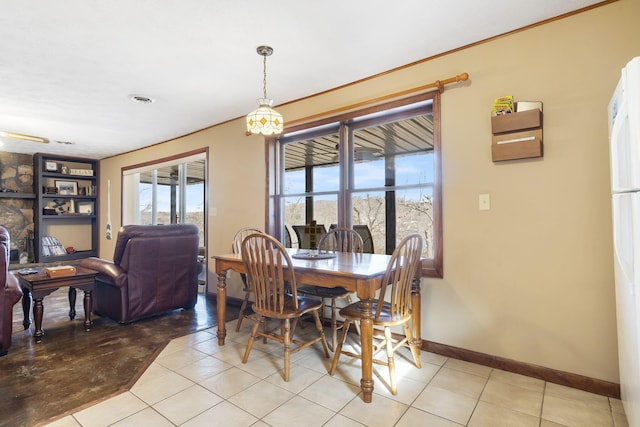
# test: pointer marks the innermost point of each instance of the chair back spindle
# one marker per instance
(401, 271)
(270, 272)
(236, 243)
(341, 240)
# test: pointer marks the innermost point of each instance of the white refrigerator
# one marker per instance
(624, 143)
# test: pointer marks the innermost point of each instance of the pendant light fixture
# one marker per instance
(265, 120)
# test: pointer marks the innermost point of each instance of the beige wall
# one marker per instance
(531, 279)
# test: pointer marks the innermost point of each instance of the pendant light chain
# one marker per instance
(264, 72)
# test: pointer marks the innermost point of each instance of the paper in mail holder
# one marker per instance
(60, 271)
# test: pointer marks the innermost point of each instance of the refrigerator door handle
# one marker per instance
(623, 249)
(622, 174)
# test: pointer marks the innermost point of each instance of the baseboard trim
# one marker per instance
(580, 382)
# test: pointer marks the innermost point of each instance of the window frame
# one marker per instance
(431, 267)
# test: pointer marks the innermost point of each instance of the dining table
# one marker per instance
(360, 273)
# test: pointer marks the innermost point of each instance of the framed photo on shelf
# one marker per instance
(67, 188)
(50, 166)
(85, 208)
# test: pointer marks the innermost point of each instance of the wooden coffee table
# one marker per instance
(39, 285)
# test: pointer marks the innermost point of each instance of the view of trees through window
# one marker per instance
(413, 215)
(379, 177)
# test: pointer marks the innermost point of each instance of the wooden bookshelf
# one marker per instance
(66, 207)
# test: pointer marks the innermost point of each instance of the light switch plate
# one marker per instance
(484, 202)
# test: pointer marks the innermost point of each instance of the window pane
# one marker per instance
(368, 174)
(195, 208)
(294, 210)
(394, 161)
(411, 210)
(146, 205)
(164, 204)
(369, 211)
(326, 178)
(414, 214)
(294, 182)
(325, 210)
(311, 165)
(414, 169)
(395, 153)
(325, 213)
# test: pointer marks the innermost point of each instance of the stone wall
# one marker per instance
(16, 214)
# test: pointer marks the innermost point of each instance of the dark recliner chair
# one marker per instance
(154, 270)
(10, 293)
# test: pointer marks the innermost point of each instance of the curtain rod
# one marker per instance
(438, 84)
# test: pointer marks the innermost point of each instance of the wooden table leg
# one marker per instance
(38, 309)
(221, 298)
(366, 331)
(88, 306)
(72, 303)
(26, 306)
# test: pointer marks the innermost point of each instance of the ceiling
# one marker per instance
(69, 67)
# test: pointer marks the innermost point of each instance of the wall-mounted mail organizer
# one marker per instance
(517, 135)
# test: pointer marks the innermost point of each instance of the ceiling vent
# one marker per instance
(141, 99)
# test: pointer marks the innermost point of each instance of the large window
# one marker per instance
(377, 171)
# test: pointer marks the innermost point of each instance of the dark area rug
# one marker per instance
(73, 368)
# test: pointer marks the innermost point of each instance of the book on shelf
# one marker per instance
(51, 246)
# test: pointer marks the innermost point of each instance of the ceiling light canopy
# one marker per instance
(23, 137)
(264, 120)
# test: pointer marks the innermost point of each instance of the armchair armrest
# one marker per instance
(107, 270)
(12, 290)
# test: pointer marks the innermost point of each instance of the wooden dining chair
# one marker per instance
(236, 244)
(367, 238)
(309, 235)
(401, 270)
(336, 240)
(270, 272)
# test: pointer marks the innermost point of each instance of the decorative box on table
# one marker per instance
(60, 271)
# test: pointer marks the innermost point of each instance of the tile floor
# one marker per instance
(193, 382)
